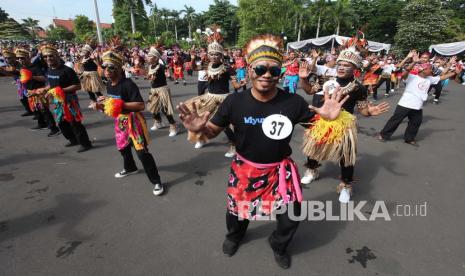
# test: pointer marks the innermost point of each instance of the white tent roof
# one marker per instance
(448, 49)
(372, 46)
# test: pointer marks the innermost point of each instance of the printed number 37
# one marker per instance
(275, 125)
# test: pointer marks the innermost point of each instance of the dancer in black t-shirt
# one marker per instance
(32, 77)
(218, 76)
(160, 94)
(91, 82)
(263, 177)
(62, 86)
(125, 104)
(321, 141)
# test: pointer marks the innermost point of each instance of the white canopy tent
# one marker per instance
(372, 45)
(448, 49)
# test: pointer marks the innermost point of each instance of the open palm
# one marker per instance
(191, 119)
(332, 105)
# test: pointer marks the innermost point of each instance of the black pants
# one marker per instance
(347, 172)
(93, 96)
(380, 82)
(75, 132)
(202, 87)
(280, 238)
(45, 119)
(157, 117)
(414, 121)
(437, 89)
(25, 103)
(145, 158)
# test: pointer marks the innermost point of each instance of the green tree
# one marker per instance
(319, 8)
(422, 23)
(136, 20)
(261, 16)
(223, 13)
(83, 28)
(10, 29)
(59, 33)
(189, 13)
(31, 25)
(3, 15)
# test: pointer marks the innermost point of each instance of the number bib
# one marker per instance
(277, 127)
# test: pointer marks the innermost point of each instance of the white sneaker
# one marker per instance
(199, 145)
(231, 152)
(344, 196)
(463, 83)
(173, 131)
(156, 126)
(124, 173)
(392, 90)
(158, 189)
(309, 176)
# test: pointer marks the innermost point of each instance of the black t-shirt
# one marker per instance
(126, 90)
(221, 85)
(36, 71)
(359, 94)
(160, 78)
(89, 65)
(246, 114)
(62, 76)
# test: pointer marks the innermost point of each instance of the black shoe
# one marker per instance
(54, 132)
(230, 247)
(83, 149)
(412, 143)
(283, 260)
(36, 128)
(35, 117)
(27, 114)
(71, 144)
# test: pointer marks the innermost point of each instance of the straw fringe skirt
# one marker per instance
(92, 82)
(343, 147)
(160, 100)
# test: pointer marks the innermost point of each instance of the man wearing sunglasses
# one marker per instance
(68, 113)
(130, 126)
(37, 103)
(263, 177)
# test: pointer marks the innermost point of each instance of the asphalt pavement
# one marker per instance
(64, 213)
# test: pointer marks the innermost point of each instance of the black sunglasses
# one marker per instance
(109, 67)
(261, 70)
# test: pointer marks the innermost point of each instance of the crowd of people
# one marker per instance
(257, 116)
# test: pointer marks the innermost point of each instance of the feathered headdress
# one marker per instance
(214, 39)
(115, 43)
(21, 52)
(48, 49)
(264, 47)
(354, 47)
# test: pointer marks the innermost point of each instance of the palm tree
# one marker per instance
(155, 14)
(31, 25)
(341, 12)
(189, 13)
(133, 5)
(165, 14)
(319, 7)
(175, 16)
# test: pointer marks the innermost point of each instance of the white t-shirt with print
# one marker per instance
(416, 91)
(323, 70)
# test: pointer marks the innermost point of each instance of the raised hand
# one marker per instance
(315, 54)
(332, 105)
(375, 110)
(304, 70)
(415, 57)
(191, 120)
(411, 53)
